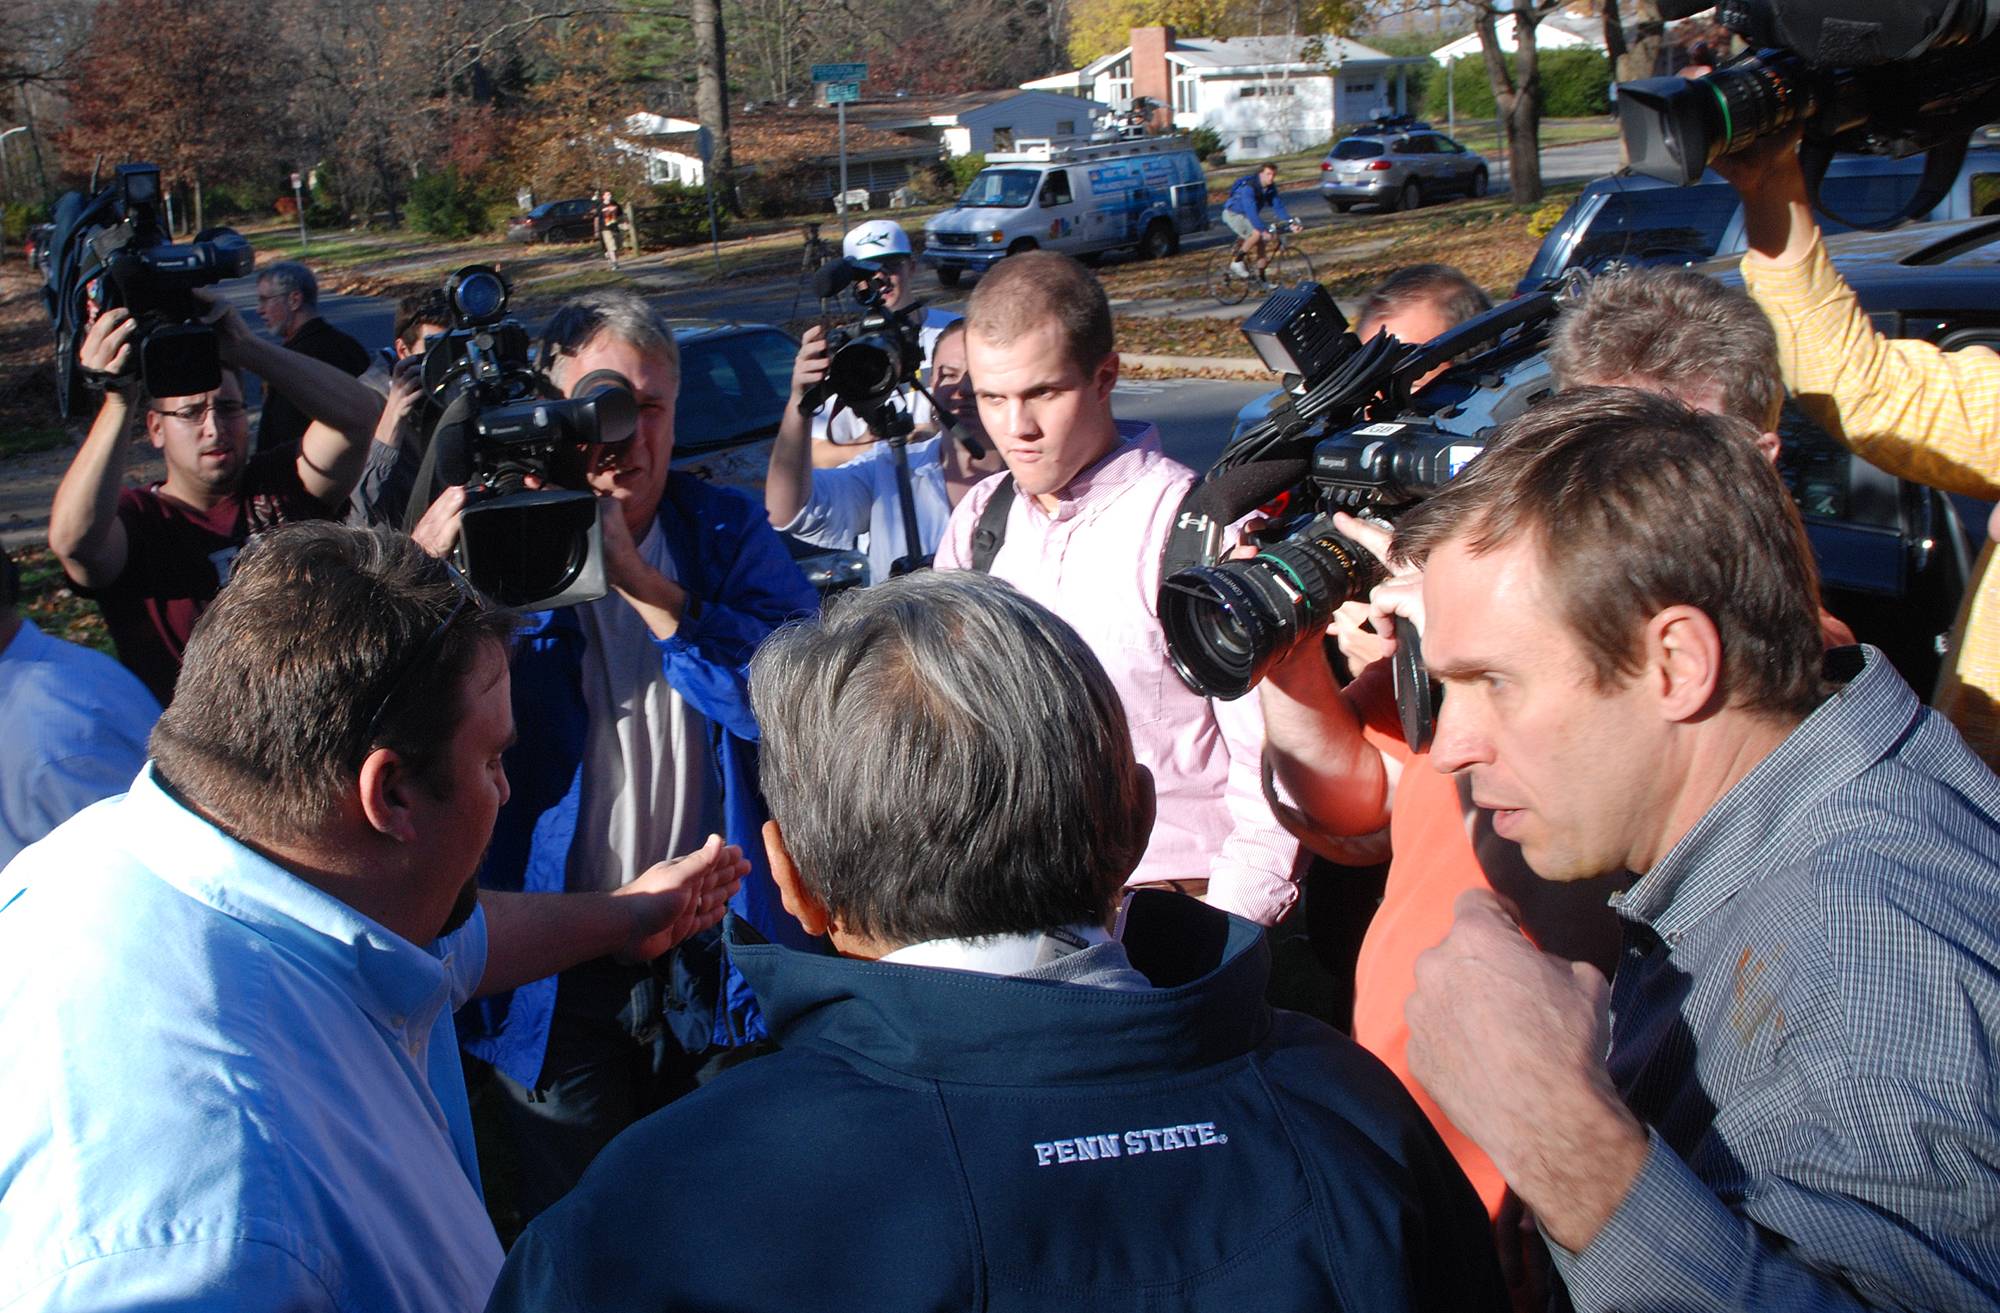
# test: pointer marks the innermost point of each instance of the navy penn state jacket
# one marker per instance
(931, 1139)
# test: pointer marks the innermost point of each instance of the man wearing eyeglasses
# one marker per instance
(154, 557)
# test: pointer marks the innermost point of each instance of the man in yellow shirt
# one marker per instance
(1920, 413)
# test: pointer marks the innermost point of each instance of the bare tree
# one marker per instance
(1517, 95)
(711, 59)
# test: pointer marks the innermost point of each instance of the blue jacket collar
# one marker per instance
(966, 1027)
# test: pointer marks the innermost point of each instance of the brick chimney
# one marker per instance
(1151, 75)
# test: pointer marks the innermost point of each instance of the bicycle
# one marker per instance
(817, 251)
(1288, 267)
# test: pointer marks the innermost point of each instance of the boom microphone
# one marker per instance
(1230, 494)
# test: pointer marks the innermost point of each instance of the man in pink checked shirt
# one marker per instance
(1088, 503)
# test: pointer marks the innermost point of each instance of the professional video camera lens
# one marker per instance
(477, 295)
(1675, 127)
(866, 370)
(1227, 623)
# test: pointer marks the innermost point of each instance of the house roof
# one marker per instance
(1256, 54)
(1559, 30)
(954, 110)
(780, 135)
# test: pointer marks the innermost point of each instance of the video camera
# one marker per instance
(111, 250)
(1875, 77)
(498, 422)
(1347, 436)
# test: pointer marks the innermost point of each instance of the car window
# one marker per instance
(731, 387)
(1864, 198)
(1446, 146)
(1055, 187)
(1357, 150)
(1420, 146)
(1010, 189)
(1658, 225)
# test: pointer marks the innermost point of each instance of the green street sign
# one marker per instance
(837, 92)
(840, 73)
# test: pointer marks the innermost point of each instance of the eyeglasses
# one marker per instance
(405, 681)
(225, 412)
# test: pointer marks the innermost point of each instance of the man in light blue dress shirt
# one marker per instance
(73, 725)
(226, 1038)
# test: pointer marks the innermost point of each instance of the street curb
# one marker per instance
(1205, 364)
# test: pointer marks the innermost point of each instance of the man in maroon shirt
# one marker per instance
(154, 557)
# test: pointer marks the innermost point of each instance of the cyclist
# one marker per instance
(1252, 192)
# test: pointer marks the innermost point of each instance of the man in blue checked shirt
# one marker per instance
(1243, 212)
(1787, 1099)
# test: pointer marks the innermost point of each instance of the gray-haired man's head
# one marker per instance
(945, 759)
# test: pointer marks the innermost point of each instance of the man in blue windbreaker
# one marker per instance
(993, 1095)
(636, 741)
(1243, 212)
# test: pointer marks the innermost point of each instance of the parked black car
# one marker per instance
(1638, 220)
(555, 221)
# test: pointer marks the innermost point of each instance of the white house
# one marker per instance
(667, 145)
(1264, 96)
(979, 121)
(1559, 31)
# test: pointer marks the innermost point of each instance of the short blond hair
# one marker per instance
(1675, 329)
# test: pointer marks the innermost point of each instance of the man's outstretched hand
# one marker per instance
(673, 900)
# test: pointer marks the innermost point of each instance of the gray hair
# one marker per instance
(290, 276)
(1455, 297)
(622, 315)
(947, 760)
(1672, 330)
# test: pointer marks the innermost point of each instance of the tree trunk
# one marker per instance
(1614, 34)
(199, 223)
(1517, 107)
(712, 88)
(1639, 55)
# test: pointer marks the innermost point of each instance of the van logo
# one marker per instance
(1158, 1139)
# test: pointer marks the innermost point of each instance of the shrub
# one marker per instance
(678, 216)
(16, 217)
(1205, 140)
(772, 195)
(1575, 84)
(965, 168)
(1544, 220)
(240, 200)
(443, 206)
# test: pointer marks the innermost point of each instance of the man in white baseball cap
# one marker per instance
(838, 436)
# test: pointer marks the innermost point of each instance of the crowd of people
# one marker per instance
(911, 953)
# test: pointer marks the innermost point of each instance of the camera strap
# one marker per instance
(1192, 541)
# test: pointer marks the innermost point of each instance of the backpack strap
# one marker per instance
(991, 534)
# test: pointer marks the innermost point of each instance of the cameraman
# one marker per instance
(1079, 524)
(636, 741)
(400, 441)
(882, 247)
(1917, 412)
(153, 558)
(835, 507)
(288, 303)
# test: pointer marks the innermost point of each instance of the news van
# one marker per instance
(1080, 198)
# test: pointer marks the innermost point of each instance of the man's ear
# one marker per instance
(1106, 377)
(385, 795)
(1683, 662)
(1148, 800)
(156, 429)
(807, 910)
(1768, 444)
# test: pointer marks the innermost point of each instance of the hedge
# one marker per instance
(443, 206)
(1575, 84)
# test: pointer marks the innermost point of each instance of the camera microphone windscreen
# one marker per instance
(1230, 494)
(834, 275)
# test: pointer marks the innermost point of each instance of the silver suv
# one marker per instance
(1399, 169)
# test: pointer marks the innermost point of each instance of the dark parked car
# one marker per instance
(1639, 220)
(735, 380)
(555, 221)
(1399, 169)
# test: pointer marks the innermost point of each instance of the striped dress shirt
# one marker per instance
(1805, 1017)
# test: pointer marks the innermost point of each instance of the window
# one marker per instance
(1250, 141)
(1356, 148)
(1446, 146)
(1055, 188)
(1118, 83)
(1185, 91)
(1008, 188)
(1360, 88)
(1065, 127)
(1266, 89)
(1003, 139)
